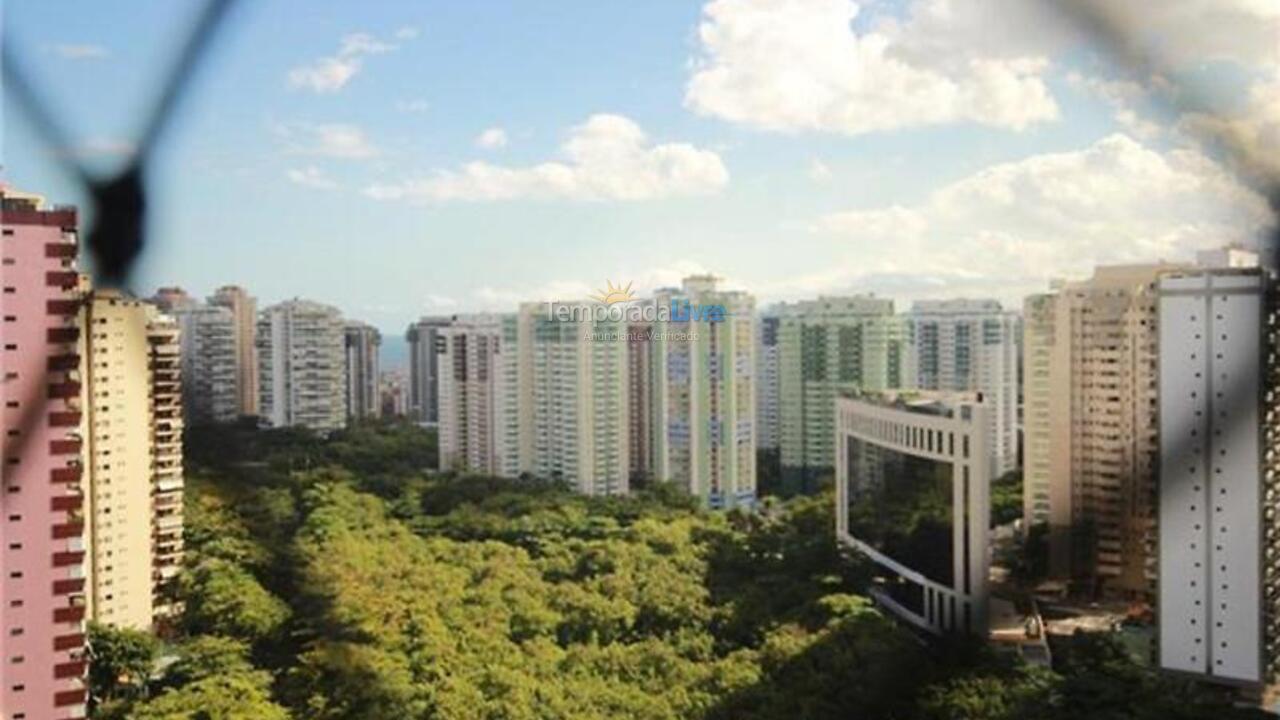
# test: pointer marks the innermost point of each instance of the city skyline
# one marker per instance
(400, 168)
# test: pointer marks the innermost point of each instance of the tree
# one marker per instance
(223, 598)
(121, 664)
(239, 696)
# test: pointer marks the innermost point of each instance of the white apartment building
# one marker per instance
(971, 346)
(1217, 610)
(209, 363)
(830, 346)
(573, 404)
(301, 351)
(702, 389)
(768, 400)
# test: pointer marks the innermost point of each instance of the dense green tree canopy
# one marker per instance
(340, 579)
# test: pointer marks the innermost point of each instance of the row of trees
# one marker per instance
(337, 579)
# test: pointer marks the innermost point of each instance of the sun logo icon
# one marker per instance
(614, 294)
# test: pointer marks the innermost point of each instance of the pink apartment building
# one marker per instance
(42, 584)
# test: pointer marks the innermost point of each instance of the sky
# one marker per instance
(399, 158)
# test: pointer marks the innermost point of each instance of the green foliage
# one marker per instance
(223, 598)
(122, 662)
(239, 696)
(1006, 498)
(417, 595)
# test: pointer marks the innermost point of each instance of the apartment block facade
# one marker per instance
(211, 375)
(971, 346)
(702, 385)
(830, 346)
(363, 343)
(424, 379)
(133, 424)
(42, 555)
(1091, 350)
(302, 359)
(768, 397)
(244, 322)
(472, 394)
(577, 413)
(1218, 608)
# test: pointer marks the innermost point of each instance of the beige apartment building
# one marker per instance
(1090, 426)
(244, 319)
(132, 426)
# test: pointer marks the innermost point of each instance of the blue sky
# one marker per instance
(779, 143)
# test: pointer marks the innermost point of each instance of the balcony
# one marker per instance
(67, 362)
(67, 502)
(62, 308)
(68, 614)
(71, 697)
(65, 279)
(61, 671)
(66, 475)
(69, 642)
(68, 558)
(64, 447)
(63, 531)
(68, 587)
(64, 419)
(63, 334)
(60, 250)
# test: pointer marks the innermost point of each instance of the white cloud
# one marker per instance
(492, 139)
(1125, 98)
(818, 171)
(848, 67)
(68, 51)
(335, 140)
(312, 177)
(606, 158)
(407, 32)
(800, 65)
(1009, 226)
(332, 73)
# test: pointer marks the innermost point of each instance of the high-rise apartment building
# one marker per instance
(1090, 351)
(971, 346)
(1219, 422)
(768, 398)
(362, 344)
(703, 435)
(424, 380)
(210, 373)
(575, 411)
(42, 598)
(471, 394)
(132, 393)
(302, 357)
(830, 346)
(244, 321)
